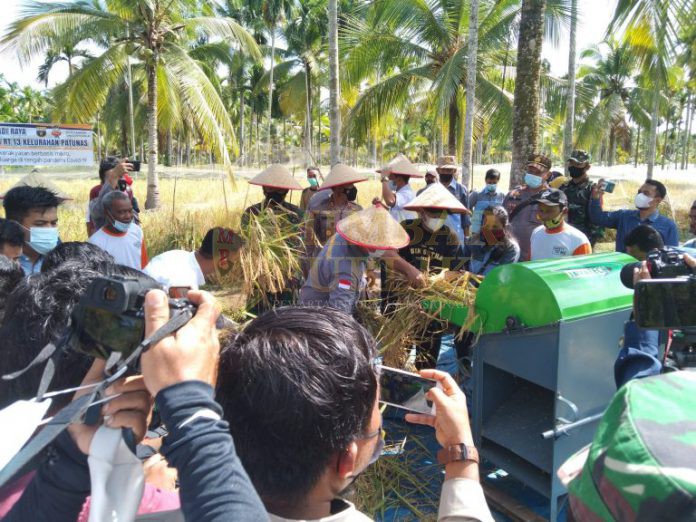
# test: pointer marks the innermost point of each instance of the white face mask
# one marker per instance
(116, 475)
(642, 201)
(433, 224)
(376, 253)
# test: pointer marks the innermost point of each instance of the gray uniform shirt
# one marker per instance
(525, 221)
(336, 276)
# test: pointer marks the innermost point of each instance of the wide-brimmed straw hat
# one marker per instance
(276, 176)
(373, 228)
(37, 180)
(447, 162)
(342, 175)
(436, 196)
(402, 167)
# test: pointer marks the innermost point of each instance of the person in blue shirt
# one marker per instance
(488, 196)
(447, 169)
(36, 211)
(648, 199)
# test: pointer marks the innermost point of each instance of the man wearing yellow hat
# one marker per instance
(432, 246)
(337, 274)
(396, 191)
(276, 181)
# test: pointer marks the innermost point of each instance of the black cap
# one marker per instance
(553, 198)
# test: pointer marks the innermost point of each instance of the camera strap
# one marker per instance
(84, 408)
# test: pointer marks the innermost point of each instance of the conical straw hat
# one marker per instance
(276, 176)
(401, 166)
(438, 197)
(373, 228)
(342, 175)
(37, 180)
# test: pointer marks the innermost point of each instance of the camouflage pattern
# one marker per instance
(579, 196)
(579, 157)
(642, 461)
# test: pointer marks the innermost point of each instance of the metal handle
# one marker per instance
(573, 408)
(563, 430)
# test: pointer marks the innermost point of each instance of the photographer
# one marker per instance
(639, 356)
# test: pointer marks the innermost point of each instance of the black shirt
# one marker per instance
(431, 249)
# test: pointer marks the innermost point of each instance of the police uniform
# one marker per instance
(525, 221)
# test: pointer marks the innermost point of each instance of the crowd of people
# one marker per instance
(277, 419)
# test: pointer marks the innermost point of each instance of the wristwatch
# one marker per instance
(456, 453)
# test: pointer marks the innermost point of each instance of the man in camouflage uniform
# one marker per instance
(579, 193)
(642, 462)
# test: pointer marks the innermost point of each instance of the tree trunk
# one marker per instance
(153, 198)
(334, 86)
(308, 112)
(270, 94)
(242, 149)
(169, 148)
(99, 140)
(687, 133)
(570, 102)
(612, 147)
(131, 119)
(635, 158)
(470, 93)
(525, 123)
(665, 144)
(652, 138)
(452, 128)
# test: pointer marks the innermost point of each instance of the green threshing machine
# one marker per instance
(543, 365)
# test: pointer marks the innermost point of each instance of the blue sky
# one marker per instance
(594, 18)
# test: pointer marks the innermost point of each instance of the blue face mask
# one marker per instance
(43, 239)
(491, 187)
(313, 182)
(532, 181)
(120, 226)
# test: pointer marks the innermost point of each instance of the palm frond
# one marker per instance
(227, 29)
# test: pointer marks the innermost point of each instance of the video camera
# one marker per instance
(110, 317)
(667, 301)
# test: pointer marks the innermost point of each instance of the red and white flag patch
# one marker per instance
(344, 284)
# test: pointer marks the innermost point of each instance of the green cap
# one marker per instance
(580, 157)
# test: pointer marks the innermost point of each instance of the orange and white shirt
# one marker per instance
(127, 248)
(563, 241)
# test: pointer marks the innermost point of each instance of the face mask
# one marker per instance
(532, 181)
(351, 193)
(313, 182)
(120, 226)
(491, 187)
(576, 172)
(433, 224)
(446, 179)
(376, 254)
(276, 197)
(556, 222)
(116, 475)
(492, 236)
(642, 201)
(429, 181)
(43, 239)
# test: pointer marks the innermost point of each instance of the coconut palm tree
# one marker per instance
(157, 34)
(334, 86)
(570, 103)
(470, 92)
(68, 54)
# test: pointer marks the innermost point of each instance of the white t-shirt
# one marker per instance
(565, 241)
(176, 268)
(127, 249)
(403, 197)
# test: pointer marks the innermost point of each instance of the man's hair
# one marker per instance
(693, 205)
(114, 195)
(315, 169)
(297, 386)
(11, 275)
(659, 187)
(38, 312)
(108, 163)
(90, 256)
(501, 215)
(19, 201)
(645, 238)
(492, 173)
(405, 178)
(11, 233)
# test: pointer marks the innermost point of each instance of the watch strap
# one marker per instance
(457, 453)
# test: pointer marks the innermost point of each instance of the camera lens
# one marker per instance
(110, 293)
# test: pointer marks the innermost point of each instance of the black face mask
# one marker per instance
(576, 172)
(275, 197)
(446, 179)
(351, 193)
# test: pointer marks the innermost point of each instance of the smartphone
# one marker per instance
(608, 186)
(405, 390)
(136, 165)
(665, 303)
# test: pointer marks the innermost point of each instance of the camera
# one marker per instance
(663, 263)
(110, 318)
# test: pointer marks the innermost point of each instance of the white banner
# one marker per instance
(45, 144)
